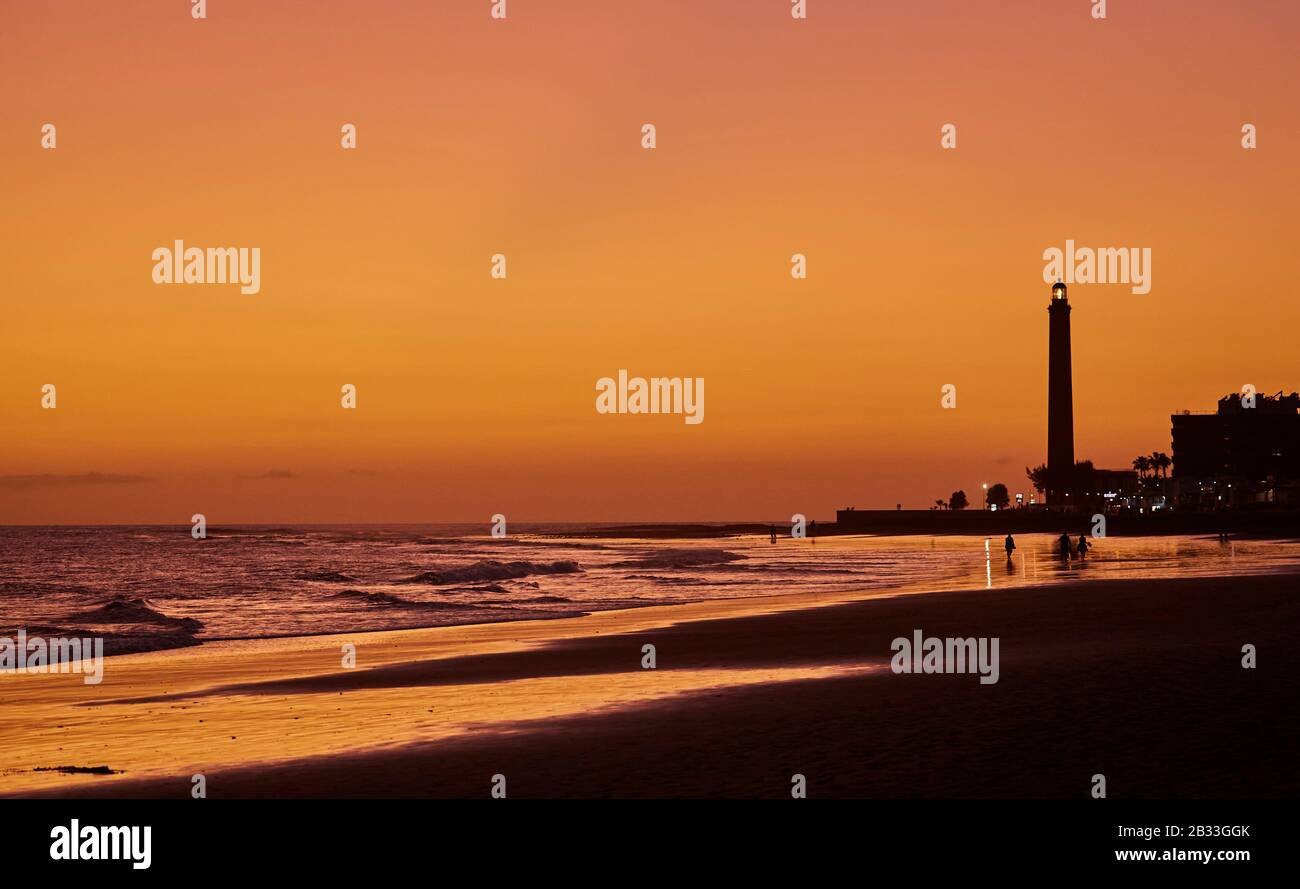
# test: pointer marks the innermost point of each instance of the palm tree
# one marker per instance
(1142, 464)
(1040, 478)
(1164, 462)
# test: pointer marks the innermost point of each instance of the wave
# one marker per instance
(115, 641)
(486, 588)
(682, 558)
(489, 569)
(326, 577)
(134, 611)
(671, 581)
(688, 580)
(387, 600)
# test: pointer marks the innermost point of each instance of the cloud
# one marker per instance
(52, 480)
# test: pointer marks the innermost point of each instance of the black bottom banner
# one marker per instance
(300, 838)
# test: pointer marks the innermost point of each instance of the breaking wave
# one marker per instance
(134, 611)
(489, 569)
(682, 558)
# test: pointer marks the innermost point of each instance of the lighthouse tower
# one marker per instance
(1060, 391)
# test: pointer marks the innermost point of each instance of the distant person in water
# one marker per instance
(812, 530)
(1010, 544)
(772, 528)
(1084, 546)
(1064, 542)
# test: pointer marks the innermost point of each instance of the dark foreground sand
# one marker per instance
(1138, 680)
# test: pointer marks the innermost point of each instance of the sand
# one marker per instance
(1138, 680)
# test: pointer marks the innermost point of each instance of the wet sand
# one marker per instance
(1138, 680)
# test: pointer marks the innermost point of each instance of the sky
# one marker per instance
(523, 136)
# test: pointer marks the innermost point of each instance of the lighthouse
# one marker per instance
(1060, 390)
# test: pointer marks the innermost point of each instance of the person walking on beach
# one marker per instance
(1010, 544)
(772, 528)
(1084, 546)
(1064, 542)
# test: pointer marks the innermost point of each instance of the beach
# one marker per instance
(1139, 680)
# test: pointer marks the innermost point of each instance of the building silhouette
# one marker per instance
(1245, 453)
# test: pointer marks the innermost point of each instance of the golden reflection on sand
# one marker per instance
(57, 720)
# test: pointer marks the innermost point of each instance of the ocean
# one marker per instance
(143, 588)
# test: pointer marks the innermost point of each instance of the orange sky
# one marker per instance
(476, 136)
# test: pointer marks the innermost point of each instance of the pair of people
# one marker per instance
(1064, 542)
(1067, 550)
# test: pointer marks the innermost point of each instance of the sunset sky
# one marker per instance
(476, 396)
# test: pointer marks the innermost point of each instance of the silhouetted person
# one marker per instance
(1084, 546)
(1064, 542)
(812, 530)
(1010, 544)
(773, 530)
